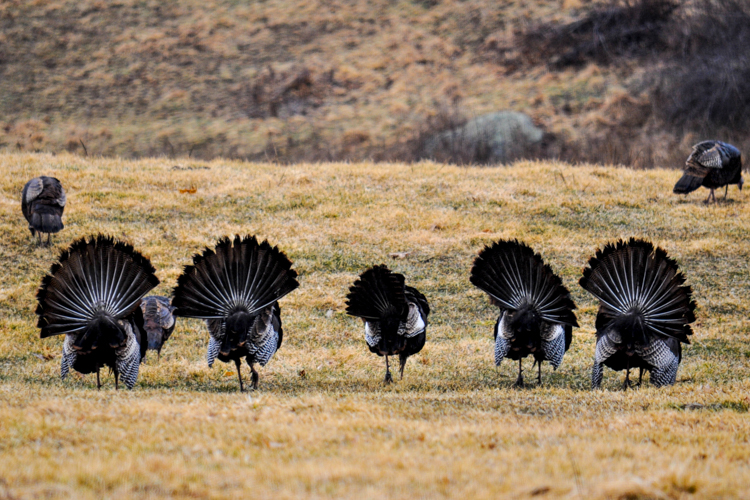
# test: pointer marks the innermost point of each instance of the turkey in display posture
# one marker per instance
(42, 203)
(713, 164)
(644, 311)
(536, 310)
(158, 321)
(395, 315)
(92, 296)
(235, 288)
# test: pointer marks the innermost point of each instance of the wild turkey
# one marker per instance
(712, 164)
(394, 315)
(536, 310)
(644, 312)
(158, 321)
(42, 203)
(92, 296)
(235, 288)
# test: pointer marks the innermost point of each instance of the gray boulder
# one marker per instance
(493, 138)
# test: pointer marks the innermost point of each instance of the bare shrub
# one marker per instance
(710, 93)
(698, 83)
(282, 93)
(617, 28)
(707, 84)
(447, 117)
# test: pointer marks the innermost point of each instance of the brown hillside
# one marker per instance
(269, 79)
(290, 81)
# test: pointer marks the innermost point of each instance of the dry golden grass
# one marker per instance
(322, 424)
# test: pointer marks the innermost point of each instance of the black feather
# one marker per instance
(395, 314)
(712, 164)
(42, 203)
(517, 278)
(92, 295)
(235, 287)
(414, 295)
(378, 294)
(237, 274)
(92, 276)
(687, 184)
(158, 321)
(640, 291)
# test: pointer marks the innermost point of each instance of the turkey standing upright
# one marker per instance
(644, 312)
(158, 321)
(536, 310)
(92, 296)
(394, 315)
(712, 164)
(42, 203)
(235, 288)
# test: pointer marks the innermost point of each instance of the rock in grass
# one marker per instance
(493, 138)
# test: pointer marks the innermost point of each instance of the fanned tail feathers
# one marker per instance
(514, 276)
(239, 274)
(636, 282)
(377, 294)
(98, 278)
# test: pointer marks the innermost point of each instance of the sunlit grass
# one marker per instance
(322, 424)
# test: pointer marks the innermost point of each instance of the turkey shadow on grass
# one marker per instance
(289, 387)
(720, 200)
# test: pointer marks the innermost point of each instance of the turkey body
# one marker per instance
(549, 342)
(42, 203)
(394, 315)
(536, 310)
(644, 313)
(235, 288)
(265, 337)
(158, 321)
(92, 296)
(712, 164)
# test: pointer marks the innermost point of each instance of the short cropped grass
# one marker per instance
(322, 424)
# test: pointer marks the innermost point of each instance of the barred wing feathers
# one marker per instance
(514, 276)
(239, 274)
(414, 295)
(712, 154)
(634, 278)
(91, 277)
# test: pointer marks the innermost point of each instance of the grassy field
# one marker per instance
(322, 425)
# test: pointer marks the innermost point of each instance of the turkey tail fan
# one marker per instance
(237, 274)
(98, 278)
(687, 184)
(514, 276)
(638, 283)
(378, 293)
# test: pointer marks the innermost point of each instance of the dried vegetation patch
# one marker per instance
(634, 82)
(322, 425)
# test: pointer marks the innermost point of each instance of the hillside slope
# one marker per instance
(322, 424)
(286, 80)
(610, 81)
